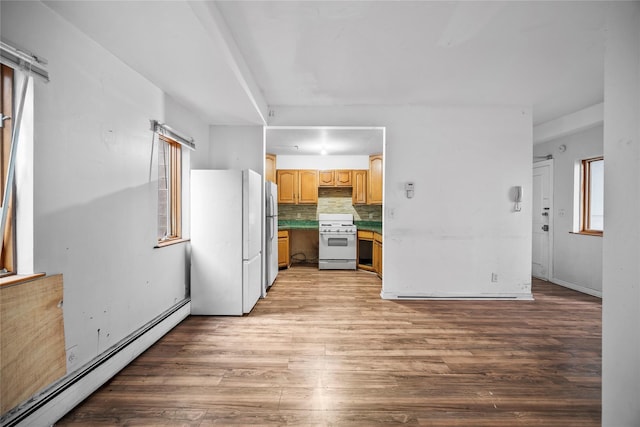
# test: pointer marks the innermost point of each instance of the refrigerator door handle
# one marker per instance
(271, 210)
(273, 226)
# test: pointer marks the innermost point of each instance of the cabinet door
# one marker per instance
(270, 168)
(326, 178)
(359, 194)
(343, 178)
(308, 186)
(283, 249)
(375, 180)
(287, 181)
(377, 257)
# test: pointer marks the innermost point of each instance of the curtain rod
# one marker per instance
(18, 58)
(162, 129)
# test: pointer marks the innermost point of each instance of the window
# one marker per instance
(592, 196)
(169, 190)
(7, 257)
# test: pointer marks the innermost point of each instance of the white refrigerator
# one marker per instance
(271, 236)
(226, 241)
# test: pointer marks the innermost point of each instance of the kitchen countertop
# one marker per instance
(369, 226)
(300, 224)
(297, 224)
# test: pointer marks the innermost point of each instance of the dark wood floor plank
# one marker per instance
(323, 349)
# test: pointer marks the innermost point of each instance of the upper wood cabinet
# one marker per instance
(287, 181)
(326, 178)
(335, 178)
(359, 193)
(375, 180)
(343, 178)
(297, 186)
(307, 186)
(270, 167)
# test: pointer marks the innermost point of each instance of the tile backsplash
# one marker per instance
(331, 200)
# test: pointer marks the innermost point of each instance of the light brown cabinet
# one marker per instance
(370, 251)
(326, 178)
(359, 192)
(377, 254)
(297, 186)
(270, 168)
(365, 250)
(343, 178)
(375, 180)
(307, 186)
(283, 249)
(287, 181)
(335, 178)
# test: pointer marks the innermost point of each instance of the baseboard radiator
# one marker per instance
(51, 404)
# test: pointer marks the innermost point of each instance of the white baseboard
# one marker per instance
(578, 288)
(54, 402)
(456, 297)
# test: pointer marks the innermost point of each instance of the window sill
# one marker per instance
(15, 279)
(588, 233)
(170, 243)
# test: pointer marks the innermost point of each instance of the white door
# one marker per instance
(542, 209)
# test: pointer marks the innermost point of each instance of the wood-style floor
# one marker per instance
(324, 350)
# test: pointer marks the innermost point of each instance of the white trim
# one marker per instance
(457, 297)
(382, 128)
(579, 288)
(64, 395)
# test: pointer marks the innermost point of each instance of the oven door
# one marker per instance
(337, 246)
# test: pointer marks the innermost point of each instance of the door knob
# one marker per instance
(545, 228)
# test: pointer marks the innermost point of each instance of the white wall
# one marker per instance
(94, 205)
(180, 118)
(322, 162)
(460, 226)
(577, 259)
(236, 147)
(621, 241)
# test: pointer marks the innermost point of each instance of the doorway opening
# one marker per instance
(347, 164)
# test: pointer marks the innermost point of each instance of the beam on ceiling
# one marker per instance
(569, 124)
(216, 27)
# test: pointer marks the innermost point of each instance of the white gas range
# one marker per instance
(337, 242)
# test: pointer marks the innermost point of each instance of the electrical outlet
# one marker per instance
(370, 215)
(298, 215)
(494, 277)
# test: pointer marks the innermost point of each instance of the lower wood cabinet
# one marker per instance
(283, 249)
(370, 251)
(365, 250)
(377, 254)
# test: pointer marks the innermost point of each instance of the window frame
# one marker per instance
(585, 197)
(8, 264)
(173, 233)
